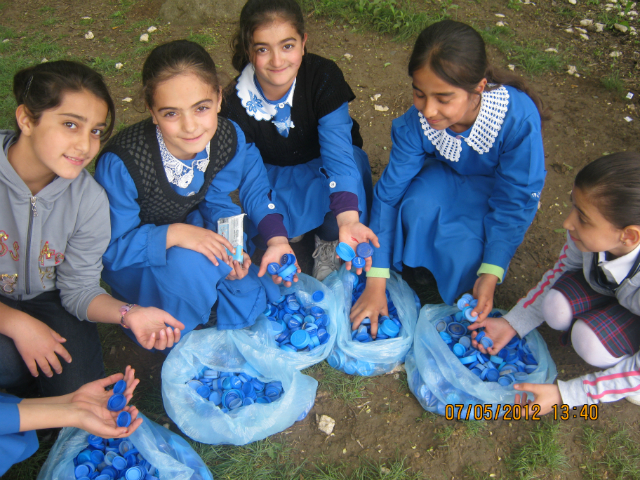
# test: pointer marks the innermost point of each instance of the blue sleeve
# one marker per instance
(336, 150)
(132, 245)
(514, 201)
(405, 162)
(247, 173)
(9, 414)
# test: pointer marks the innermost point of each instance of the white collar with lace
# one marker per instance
(178, 173)
(252, 99)
(483, 133)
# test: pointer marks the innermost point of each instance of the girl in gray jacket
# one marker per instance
(54, 228)
(592, 293)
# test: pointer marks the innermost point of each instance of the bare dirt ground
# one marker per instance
(587, 120)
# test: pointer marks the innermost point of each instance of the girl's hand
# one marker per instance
(545, 395)
(483, 290)
(239, 270)
(372, 303)
(152, 327)
(352, 232)
(95, 393)
(38, 345)
(277, 247)
(497, 329)
(201, 240)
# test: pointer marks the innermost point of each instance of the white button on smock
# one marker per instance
(332, 185)
(271, 206)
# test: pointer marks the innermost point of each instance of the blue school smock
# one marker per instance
(140, 269)
(15, 446)
(452, 202)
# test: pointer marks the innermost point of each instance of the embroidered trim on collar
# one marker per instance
(178, 173)
(484, 132)
(252, 99)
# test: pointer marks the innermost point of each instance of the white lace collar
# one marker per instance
(254, 101)
(483, 133)
(178, 173)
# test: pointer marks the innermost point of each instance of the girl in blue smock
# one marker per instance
(168, 179)
(464, 176)
(293, 107)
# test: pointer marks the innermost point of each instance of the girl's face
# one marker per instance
(65, 138)
(276, 54)
(186, 110)
(590, 231)
(443, 105)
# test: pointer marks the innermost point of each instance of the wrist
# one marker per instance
(124, 310)
(489, 277)
(173, 234)
(347, 218)
(376, 284)
(274, 241)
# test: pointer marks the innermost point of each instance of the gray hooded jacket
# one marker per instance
(54, 240)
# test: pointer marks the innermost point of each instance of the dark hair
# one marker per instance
(42, 87)
(256, 13)
(177, 58)
(612, 184)
(456, 53)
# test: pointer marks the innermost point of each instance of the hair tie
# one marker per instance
(26, 92)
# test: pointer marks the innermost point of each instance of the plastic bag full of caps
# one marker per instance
(231, 391)
(388, 326)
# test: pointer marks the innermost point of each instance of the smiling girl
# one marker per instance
(464, 176)
(54, 230)
(293, 107)
(168, 179)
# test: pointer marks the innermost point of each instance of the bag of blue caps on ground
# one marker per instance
(151, 452)
(354, 352)
(444, 369)
(219, 390)
(301, 325)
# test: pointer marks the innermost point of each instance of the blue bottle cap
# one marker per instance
(273, 268)
(458, 317)
(288, 259)
(97, 457)
(441, 326)
(109, 456)
(390, 328)
(456, 330)
(117, 402)
(226, 383)
(508, 368)
(486, 342)
(316, 311)
(236, 403)
(235, 382)
(381, 335)
(95, 441)
(520, 376)
(467, 314)
(364, 250)
(134, 473)
(215, 397)
(461, 303)
(514, 343)
(465, 341)
(195, 384)
(317, 296)
(334, 360)
(446, 337)
(120, 386)
(345, 252)
(276, 328)
(102, 476)
(82, 471)
(247, 401)
(211, 374)
(529, 359)
(530, 368)
(459, 350)
(476, 371)
(492, 374)
(480, 336)
(287, 347)
(204, 391)
(264, 399)
(358, 262)
(467, 360)
(364, 369)
(496, 359)
(119, 463)
(300, 339)
(350, 367)
(124, 419)
(258, 385)
(504, 381)
(288, 271)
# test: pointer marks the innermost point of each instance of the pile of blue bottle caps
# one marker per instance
(287, 268)
(296, 328)
(388, 326)
(231, 391)
(512, 364)
(112, 459)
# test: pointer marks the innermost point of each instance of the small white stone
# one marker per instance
(511, 67)
(628, 119)
(151, 29)
(166, 425)
(89, 35)
(608, 9)
(375, 97)
(633, 31)
(600, 27)
(572, 70)
(569, 30)
(551, 50)
(86, 18)
(44, 60)
(633, 13)
(6, 40)
(499, 15)
(586, 22)
(629, 95)
(326, 424)
(499, 24)
(127, 99)
(584, 36)
(615, 54)
(119, 66)
(385, 470)
(144, 37)
(348, 56)
(580, 30)
(381, 108)
(573, 2)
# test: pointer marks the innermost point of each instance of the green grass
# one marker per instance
(613, 82)
(28, 470)
(445, 433)
(612, 453)
(476, 472)
(474, 429)
(541, 456)
(367, 470)
(347, 388)
(203, 39)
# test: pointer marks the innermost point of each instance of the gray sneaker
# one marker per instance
(296, 239)
(325, 260)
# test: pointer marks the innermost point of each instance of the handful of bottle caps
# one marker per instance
(296, 328)
(230, 391)
(388, 326)
(110, 459)
(357, 258)
(511, 365)
(286, 269)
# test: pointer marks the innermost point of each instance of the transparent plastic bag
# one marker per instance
(212, 349)
(437, 377)
(168, 452)
(380, 356)
(258, 336)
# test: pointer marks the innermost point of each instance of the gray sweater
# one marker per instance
(54, 240)
(613, 384)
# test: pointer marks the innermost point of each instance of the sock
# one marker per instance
(587, 344)
(557, 311)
